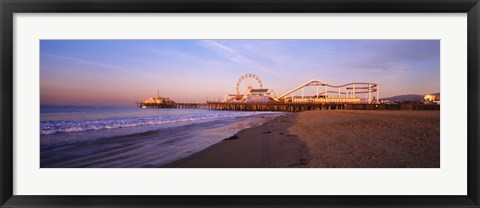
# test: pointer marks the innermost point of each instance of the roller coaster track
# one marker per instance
(372, 87)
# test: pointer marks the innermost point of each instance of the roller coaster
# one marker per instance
(334, 93)
(346, 93)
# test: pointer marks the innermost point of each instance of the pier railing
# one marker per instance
(291, 107)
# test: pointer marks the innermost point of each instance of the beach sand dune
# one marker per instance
(372, 139)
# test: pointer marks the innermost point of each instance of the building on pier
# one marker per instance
(157, 100)
(258, 96)
(432, 98)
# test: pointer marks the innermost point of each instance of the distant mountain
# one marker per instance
(409, 97)
(436, 94)
(402, 98)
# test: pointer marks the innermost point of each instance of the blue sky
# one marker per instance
(121, 72)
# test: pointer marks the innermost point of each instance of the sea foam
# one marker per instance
(65, 126)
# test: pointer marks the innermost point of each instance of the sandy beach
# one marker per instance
(268, 145)
(330, 139)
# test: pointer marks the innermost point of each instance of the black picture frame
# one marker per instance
(9, 7)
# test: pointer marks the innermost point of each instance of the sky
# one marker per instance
(122, 72)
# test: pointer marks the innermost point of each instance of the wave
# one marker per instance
(66, 126)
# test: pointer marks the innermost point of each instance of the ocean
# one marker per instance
(132, 137)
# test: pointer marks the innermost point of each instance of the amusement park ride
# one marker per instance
(251, 96)
(249, 89)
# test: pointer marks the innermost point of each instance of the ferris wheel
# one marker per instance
(246, 83)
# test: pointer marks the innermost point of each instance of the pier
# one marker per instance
(291, 107)
(253, 97)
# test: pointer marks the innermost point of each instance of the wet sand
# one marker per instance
(330, 139)
(266, 146)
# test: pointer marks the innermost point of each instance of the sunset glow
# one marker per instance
(122, 72)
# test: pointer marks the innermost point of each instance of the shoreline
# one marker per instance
(269, 145)
(148, 146)
(329, 139)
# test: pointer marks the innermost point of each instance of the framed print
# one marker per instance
(245, 104)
